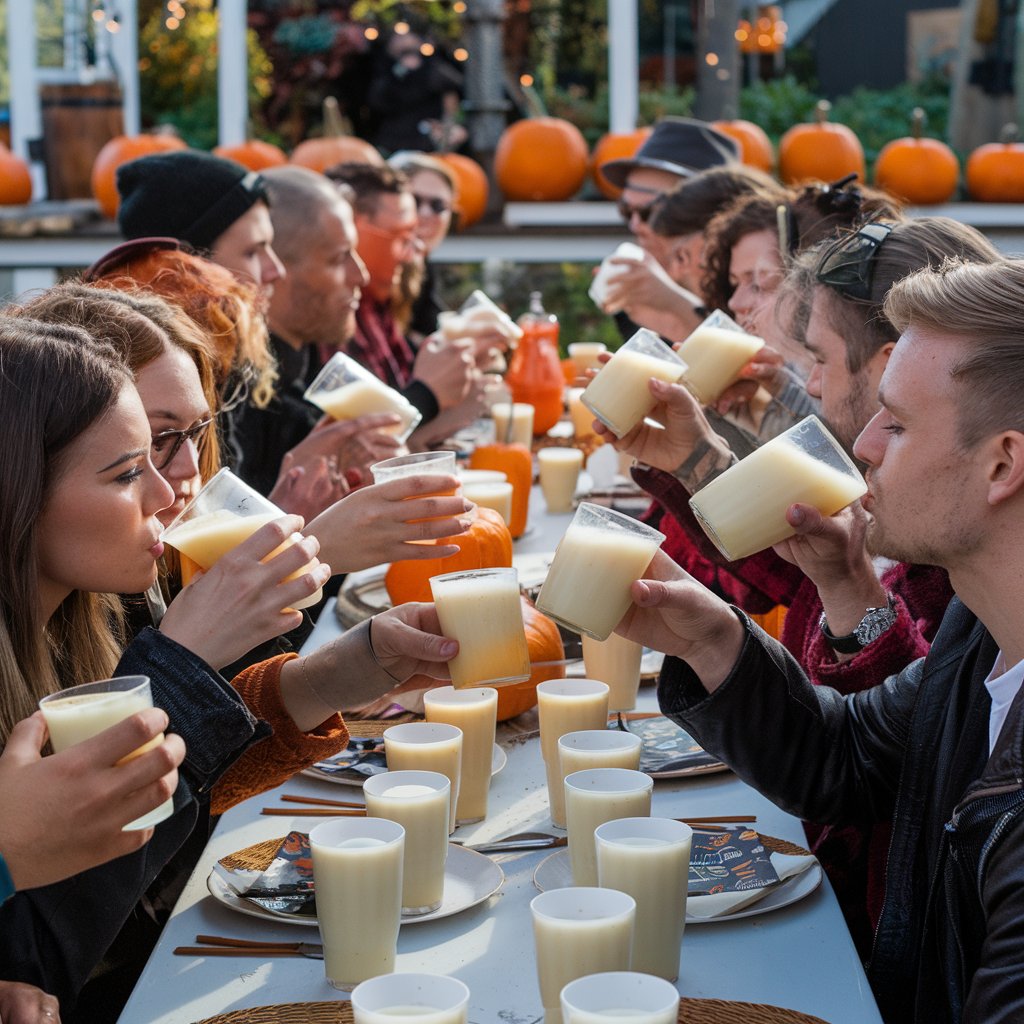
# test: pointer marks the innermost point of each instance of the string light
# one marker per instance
(172, 24)
(427, 49)
(460, 53)
(113, 26)
(526, 81)
(459, 7)
(371, 33)
(401, 28)
(711, 59)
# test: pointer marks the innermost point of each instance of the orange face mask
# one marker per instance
(384, 252)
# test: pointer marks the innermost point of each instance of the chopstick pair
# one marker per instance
(332, 808)
(218, 945)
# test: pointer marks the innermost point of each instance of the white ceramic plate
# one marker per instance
(469, 878)
(498, 761)
(555, 872)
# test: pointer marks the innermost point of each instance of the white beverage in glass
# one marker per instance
(419, 802)
(357, 871)
(584, 355)
(566, 705)
(608, 271)
(427, 747)
(628, 996)
(598, 748)
(482, 610)
(597, 560)
(496, 495)
(582, 418)
(225, 512)
(479, 307)
(650, 859)
(425, 998)
(482, 476)
(521, 429)
(81, 712)
(714, 357)
(559, 473)
(344, 389)
(418, 464)
(475, 712)
(594, 796)
(579, 931)
(619, 396)
(615, 661)
(744, 510)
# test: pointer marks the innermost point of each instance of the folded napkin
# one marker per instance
(724, 903)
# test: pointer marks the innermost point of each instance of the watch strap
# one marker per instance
(862, 635)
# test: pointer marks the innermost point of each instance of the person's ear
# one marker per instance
(1006, 467)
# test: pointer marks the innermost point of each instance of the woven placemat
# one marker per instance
(691, 1011)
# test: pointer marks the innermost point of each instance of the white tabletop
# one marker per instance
(800, 957)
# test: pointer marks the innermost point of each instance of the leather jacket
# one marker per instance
(950, 941)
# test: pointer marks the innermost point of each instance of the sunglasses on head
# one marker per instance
(848, 264)
(434, 204)
(166, 445)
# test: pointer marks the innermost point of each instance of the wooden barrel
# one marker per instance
(77, 121)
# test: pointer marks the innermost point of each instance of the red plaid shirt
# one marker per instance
(380, 346)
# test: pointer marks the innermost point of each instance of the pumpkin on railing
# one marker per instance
(541, 159)
(255, 154)
(122, 149)
(917, 169)
(334, 146)
(756, 148)
(820, 151)
(614, 146)
(471, 187)
(995, 171)
(15, 179)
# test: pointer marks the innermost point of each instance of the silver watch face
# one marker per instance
(875, 622)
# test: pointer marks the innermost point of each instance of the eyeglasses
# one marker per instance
(168, 443)
(848, 265)
(643, 213)
(434, 204)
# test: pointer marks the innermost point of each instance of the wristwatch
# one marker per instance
(876, 621)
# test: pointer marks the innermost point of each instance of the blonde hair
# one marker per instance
(981, 304)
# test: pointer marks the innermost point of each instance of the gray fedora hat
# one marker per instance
(680, 145)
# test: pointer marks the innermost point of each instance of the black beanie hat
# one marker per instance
(185, 194)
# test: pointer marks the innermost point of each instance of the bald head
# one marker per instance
(300, 199)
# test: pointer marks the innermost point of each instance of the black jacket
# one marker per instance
(950, 942)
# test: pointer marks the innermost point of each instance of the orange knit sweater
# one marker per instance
(278, 757)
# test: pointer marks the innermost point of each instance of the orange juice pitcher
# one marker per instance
(535, 371)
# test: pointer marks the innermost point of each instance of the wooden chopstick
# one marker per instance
(724, 819)
(308, 812)
(290, 798)
(235, 951)
(224, 940)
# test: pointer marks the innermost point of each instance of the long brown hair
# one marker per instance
(55, 382)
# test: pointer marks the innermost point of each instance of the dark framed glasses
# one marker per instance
(848, 264)
(168, 443)
(434, 204)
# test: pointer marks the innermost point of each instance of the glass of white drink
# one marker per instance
(582, 418)
(627, 996)
(344, 390)
(480, 308)
(619, 396)
(80, 712)
(608, 271)
(584, 355)
(481, 608)
(615, 661)
(419, 464)
(597, 560)
(496, 495)
(579, 931)
(598, 748)
(427, 747)
(650, 859)
(224, 513)
(422, 998)
(559, 474)
(566, 705)
(475, 712)
(419, 802)
(744, 510)
(513, 423)
(594, 796)
(714, 354)
(357, 871)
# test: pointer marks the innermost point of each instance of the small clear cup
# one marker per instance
(626, 996)
(410, 999)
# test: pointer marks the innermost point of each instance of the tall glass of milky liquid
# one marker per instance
(79, 713)
(563, 706)
(427, 747)
(344, 390)
(420, 998)
(619, 396)
(224, 513)
(744, 510)
(714, 354)
(475, 712)
(597, 560)
(357, 871)
(615, 661)
(577, 931)
(419, 802)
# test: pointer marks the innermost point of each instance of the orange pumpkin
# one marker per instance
(334, 147)
(614, 146)
(471, 187)
(916, 169)
(122, 149)
(516, 462)
(541, 159)
(254, 154)
(995, 171)
(15, 179)
(486, 545)
(545, 645)
(755, 147)
(820, 151)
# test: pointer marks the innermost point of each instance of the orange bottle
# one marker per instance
(535, 371)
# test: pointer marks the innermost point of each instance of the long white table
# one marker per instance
(800, 957)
